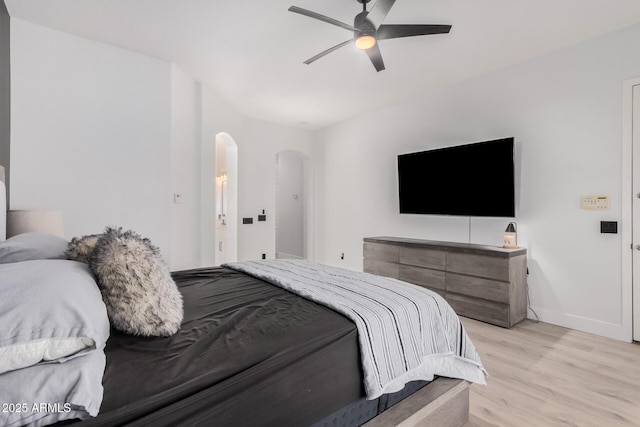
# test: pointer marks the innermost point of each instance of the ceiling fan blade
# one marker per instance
(322, 18)
(328, 51)
(376, 57)
(379, 11)
(396, 31)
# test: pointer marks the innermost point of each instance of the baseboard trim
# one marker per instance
(584, 324)
(284, 255)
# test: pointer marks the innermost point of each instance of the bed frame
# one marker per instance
(443, 402)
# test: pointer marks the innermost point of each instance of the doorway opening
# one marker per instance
(294, 213)
(226, 191)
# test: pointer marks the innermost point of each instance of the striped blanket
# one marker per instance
(406, 332)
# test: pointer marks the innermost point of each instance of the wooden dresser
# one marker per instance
(487, 283)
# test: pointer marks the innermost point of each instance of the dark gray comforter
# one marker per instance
(248, 353)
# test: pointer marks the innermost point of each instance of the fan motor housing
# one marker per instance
(363, 25)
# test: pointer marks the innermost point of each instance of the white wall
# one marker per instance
(90, 133)
(565, 112)
(185, 169)
(257, 149)
(290, 205)
(108, 135)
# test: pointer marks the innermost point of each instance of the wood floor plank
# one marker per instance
(545, 375)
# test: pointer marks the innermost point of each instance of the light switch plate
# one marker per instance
(594, 203)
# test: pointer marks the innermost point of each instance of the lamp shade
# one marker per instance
(28, 221)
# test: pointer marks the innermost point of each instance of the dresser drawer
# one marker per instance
(479, 309)
(432, 279)
(492, 290)
(421, 257)
(381, 252)
(478, 265)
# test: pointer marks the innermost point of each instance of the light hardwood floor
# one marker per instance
(546, 375)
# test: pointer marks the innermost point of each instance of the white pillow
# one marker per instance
(32, 246)
(18, 356)
(51, 311)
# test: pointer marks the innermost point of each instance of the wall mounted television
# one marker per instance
(469, 180)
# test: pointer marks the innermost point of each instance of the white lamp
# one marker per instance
(511, 236)
(27, 221)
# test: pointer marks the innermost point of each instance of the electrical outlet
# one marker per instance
(342, 255)
(264, 256)
(177, 198)
(247, 220)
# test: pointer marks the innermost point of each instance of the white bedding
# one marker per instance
(55, 328)
(45, 394)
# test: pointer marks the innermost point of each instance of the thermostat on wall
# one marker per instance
(593, 203)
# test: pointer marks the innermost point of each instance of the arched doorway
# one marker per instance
(226, 191)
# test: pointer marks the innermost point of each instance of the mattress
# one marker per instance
(248, 353)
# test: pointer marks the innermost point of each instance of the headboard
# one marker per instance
(3, 207)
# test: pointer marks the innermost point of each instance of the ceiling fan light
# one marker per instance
(365, 42)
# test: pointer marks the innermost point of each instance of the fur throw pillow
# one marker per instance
(136, 284)
(81, 248)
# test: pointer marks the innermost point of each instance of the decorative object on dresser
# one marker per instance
(27, 221)
(486, 283)
(511, 236)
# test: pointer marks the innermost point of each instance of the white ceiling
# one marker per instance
(251, 52)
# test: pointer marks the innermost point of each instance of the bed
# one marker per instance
(249, 351)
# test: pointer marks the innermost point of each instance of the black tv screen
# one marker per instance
(471, 180)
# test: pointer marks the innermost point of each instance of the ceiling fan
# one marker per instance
(368, 29)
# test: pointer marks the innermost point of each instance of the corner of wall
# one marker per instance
(5, 94)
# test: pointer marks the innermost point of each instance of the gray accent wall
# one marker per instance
(5, 94)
